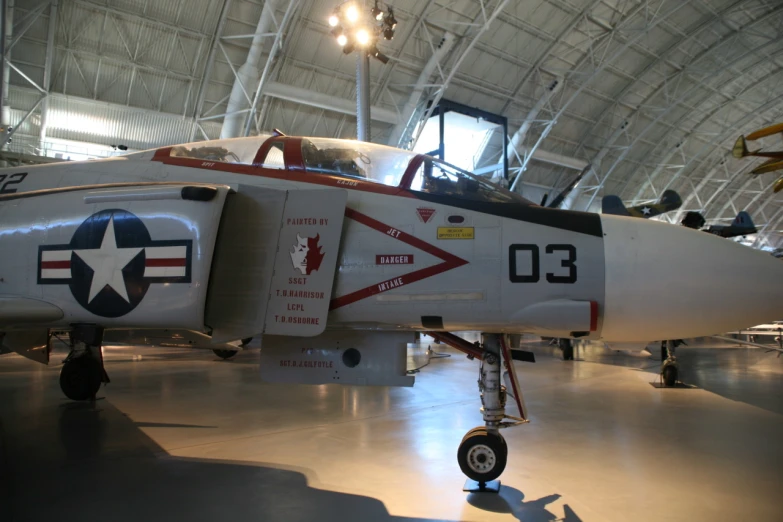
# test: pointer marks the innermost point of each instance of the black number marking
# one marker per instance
(15, 179)
(534, 275)
(535, 261)
(565, 263)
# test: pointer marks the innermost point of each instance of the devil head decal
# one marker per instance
(307, 255)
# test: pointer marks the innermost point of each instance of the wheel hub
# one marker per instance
(481, 458)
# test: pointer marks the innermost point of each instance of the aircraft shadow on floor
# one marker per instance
(91, 462)
(511, 500)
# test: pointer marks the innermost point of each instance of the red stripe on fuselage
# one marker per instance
(313, 178)
(593, 316)
(165, 262)
(450, 262)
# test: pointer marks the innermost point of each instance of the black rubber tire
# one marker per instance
(567, 346)
(493, 457)
(225, 354)
(669, 374)
(474, 430)
(80, 378)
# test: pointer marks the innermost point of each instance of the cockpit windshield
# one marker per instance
(233, 150)
(387, 165)
(438, 177)
(356, 159)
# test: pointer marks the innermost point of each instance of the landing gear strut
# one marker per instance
(483, 453)
(83, 371)
(669, 369)
(567, 347)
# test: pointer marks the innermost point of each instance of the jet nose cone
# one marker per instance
(670, 282)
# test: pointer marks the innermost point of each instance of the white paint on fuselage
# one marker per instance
(660, 281)
(664, 278)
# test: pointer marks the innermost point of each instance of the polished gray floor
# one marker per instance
(181, 435)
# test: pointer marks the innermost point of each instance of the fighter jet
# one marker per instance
(334, 253)
(775, 162)
(742, 225)
(669, 201)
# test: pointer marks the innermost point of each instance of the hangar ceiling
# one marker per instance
(652, 94)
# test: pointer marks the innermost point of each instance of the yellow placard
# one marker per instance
(455, 232)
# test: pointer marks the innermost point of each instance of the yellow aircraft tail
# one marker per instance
(778, 186)
(740, 149)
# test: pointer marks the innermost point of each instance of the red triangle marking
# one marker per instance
(425, 213)
(450, 261)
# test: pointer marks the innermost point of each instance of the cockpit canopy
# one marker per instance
(356, 160)
(234, 150)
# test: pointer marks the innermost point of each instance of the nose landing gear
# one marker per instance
(482, 455)
(483, 452)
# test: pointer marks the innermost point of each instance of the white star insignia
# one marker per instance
(646, 210)
(107, 263)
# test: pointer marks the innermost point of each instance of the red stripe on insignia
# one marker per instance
(55, 264)
(593, 316)
(165, 262)
(450, 262)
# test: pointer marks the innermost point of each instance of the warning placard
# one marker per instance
(455, 232)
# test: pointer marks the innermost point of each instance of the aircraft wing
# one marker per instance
(612, 204)
(748, 343)
(768, 166)
(669, 201)
(766, 131)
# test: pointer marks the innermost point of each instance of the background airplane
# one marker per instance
(669, 201)
(742, 225)
(775, 162)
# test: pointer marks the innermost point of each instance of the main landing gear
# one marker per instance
(567, 347)
(483, 453)
(669, 368)
(83, 371)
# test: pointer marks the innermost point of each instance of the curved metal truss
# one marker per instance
(651, 93)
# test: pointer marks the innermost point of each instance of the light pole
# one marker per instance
(357, 28)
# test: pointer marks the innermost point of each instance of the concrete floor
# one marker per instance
(181, 435)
